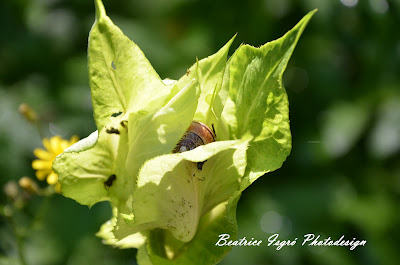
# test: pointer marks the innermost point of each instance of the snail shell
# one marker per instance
(197, 134)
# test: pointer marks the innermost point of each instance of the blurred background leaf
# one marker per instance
(343, 83)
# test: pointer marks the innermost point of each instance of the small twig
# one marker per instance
(19, 238)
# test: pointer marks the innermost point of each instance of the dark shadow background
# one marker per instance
(343, 83)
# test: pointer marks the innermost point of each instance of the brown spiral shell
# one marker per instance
(197, 134)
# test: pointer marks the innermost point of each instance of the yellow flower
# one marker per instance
(43, 166)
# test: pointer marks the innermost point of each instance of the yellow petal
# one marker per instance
(41, 164)
(57, 187)
(46, 144)
(42, 154)
(55, 143)
(52, 178)
(42, 174)
(74, 139)
(64, 144)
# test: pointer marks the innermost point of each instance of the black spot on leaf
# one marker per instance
(108, 183)
(112, 130)
(116, 114)
(200, 165)
(124, 124)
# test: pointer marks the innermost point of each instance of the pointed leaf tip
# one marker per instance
(229, 43)
(100, 10)
(308, 16)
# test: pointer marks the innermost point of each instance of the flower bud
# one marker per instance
(11, 189)
(28, 185)
(28, 113)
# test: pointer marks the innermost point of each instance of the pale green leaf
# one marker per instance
(155, 134)
(209, 73)
(149, 135)
(83, 172)
(163, 249)
(106, 233)
(179, 193)
(258, 102)
(121, 77)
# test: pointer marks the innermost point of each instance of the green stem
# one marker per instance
(20, 240)
(39, 129)
(40, 213)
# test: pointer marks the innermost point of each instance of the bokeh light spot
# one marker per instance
(349, 3)
(379, 6)
(271, 222)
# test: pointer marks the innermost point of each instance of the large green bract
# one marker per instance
(162, 203)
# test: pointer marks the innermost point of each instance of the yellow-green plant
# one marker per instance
(163, 204)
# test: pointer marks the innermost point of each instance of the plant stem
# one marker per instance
(20, 240)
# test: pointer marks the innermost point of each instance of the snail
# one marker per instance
(197, 134)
